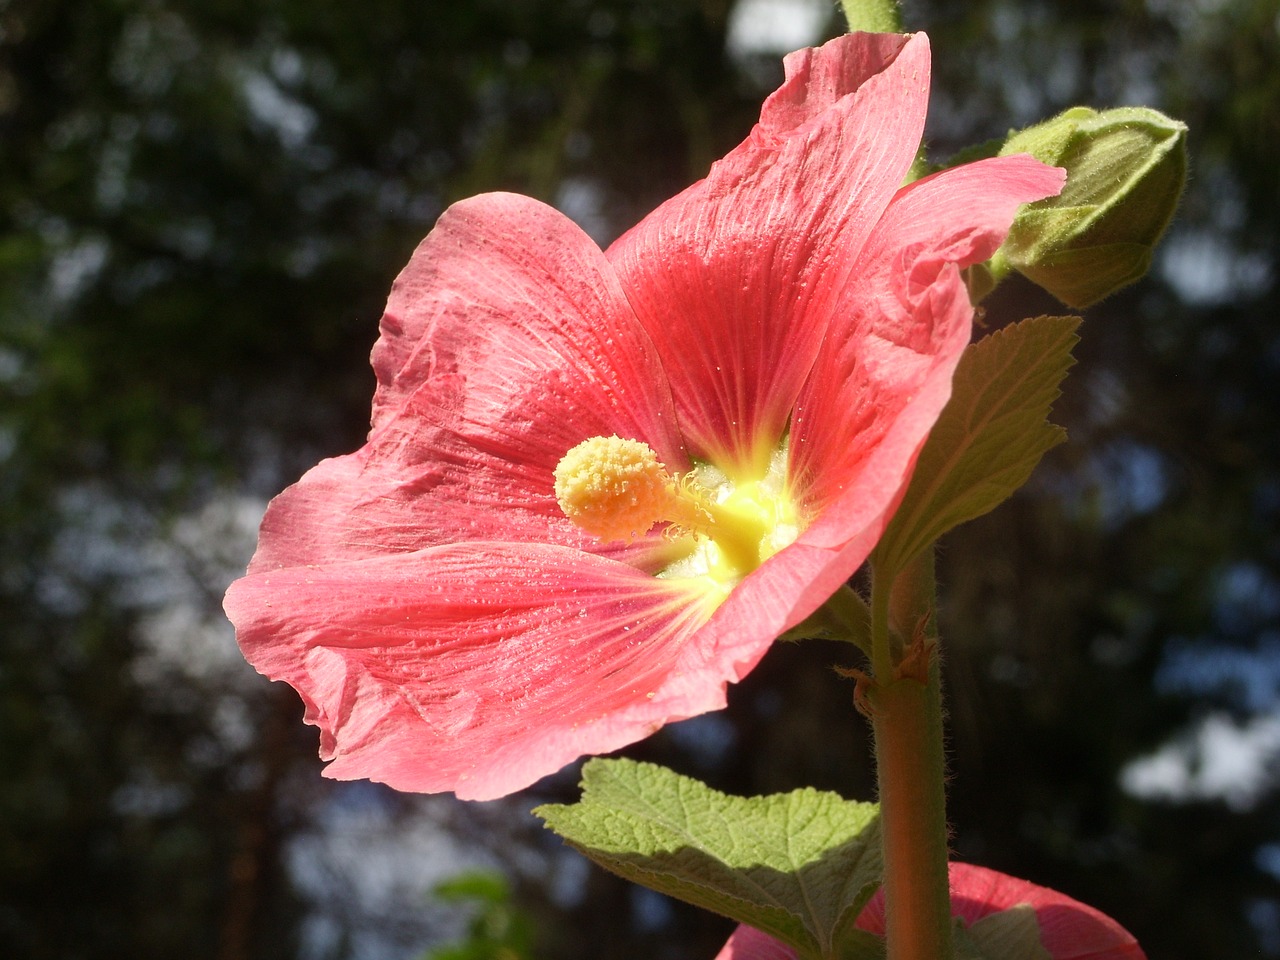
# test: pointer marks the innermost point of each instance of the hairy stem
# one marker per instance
(905, 706)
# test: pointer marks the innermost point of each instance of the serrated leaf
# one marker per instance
(798, 866)
(989, 437)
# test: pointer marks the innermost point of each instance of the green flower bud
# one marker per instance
(1125, 172)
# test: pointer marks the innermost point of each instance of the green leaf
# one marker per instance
(860, 945)
(798, 866)
(485, 886)
(1011, 934)
(989, 437)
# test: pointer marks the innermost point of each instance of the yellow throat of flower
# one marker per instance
(618, 489)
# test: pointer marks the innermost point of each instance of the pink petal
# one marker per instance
(737, 277)
(513, 283)
(817, 78)
(1069, 929)
(884, 373)
(507, 340)
(480, 667)
(748, 943)
(788, 587)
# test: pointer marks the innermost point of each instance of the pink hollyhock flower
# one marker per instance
(1069, 930)
(755, 366)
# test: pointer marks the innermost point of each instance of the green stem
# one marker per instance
(872, 16)
(881, 645)
(906, 715)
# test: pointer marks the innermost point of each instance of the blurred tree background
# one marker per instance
(202, 206)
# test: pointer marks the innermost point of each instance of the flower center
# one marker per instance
(618, 489)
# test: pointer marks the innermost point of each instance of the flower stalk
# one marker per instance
(872, 16)
(905, 707)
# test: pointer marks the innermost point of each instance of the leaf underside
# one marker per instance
(989, 437)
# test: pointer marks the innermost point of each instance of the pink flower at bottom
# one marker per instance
(1069, 930)
(780, 336)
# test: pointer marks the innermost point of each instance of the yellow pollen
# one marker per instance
(719, 530)
(617, 489)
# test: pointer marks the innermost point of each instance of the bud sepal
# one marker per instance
(1126, 168)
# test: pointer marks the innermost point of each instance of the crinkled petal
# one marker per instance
(737, 277)
(507, 340)
(479, 668)
(1069, 930)
(884, 372)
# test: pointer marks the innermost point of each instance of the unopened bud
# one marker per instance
(1125, 172)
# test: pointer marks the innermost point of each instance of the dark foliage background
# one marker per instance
(202, 205)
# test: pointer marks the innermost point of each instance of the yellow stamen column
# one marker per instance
(617, 490)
